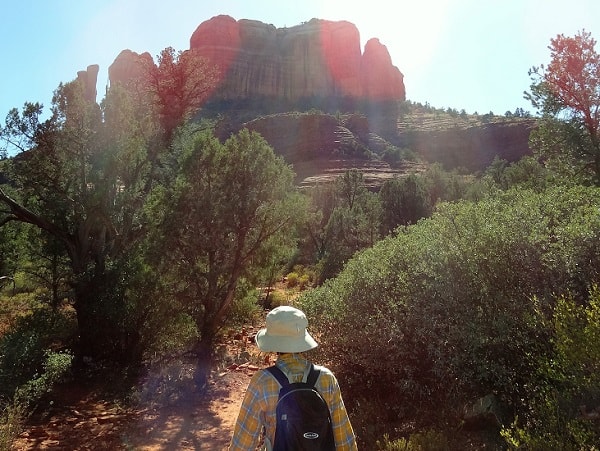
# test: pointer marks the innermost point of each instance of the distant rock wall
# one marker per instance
(299, 137)
(473, 148)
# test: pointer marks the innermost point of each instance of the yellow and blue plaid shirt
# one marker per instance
(258, 407)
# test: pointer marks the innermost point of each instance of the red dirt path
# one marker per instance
(164, 414)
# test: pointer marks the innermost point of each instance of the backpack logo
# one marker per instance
(303, 419)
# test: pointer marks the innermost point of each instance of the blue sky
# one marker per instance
(464, 54)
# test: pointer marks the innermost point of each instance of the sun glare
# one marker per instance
(411, 30)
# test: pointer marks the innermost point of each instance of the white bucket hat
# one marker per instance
(285, 332)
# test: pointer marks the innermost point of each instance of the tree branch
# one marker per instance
(22, 214)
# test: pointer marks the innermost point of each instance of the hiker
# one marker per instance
(286, 334)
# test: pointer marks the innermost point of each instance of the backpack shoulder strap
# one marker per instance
(311, 380)
(313, 375)
(279, 375)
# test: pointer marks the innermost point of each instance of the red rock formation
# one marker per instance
(380, 79)
(340, 46)
(89, 78)
(128, 66)
(317, 58)
(218, 40)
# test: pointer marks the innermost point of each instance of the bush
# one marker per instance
(12, 417)
(566, 407)
(23, 349)
(56, 365)
(245, 306)
(292, 280)
(277, 298)
(420, 441)
(456, 306)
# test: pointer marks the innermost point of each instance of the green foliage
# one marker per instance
(55, 366)
(404, 201)
(292, 280)
(83, 181)
(29, 368)
(9, 250)
(421, 441)
(231, 211)
(443, 185)
(245, 307)
(14, 413)
(176, 334)
(23, 348)
(395, 155)
(295, 280)
(12, 418)
(277, 298)
(353, 224)
(566, 94)
(565, 408)
(455, 306)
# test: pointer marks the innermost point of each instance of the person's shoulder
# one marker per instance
(325, 372)
(260, 376)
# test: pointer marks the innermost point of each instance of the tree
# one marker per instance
(231, 208)
(70, 178)
(567, 94)
(83, 177)
(404, 201)
(180, 83)
(353, 224)
(44, 259)
(321, 203)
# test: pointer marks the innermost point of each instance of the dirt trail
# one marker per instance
(166, 415)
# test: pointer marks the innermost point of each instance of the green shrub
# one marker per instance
(564, 412)
(13, 414)
(245, 307)
(420, 441)
(175, 335)
(56, 365)
(292, 280)
(304, 281)
(12, 417)
(23, 348)
(278, 298)
(456, 306)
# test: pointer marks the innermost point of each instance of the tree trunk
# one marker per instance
(203, 352)
(85, 323)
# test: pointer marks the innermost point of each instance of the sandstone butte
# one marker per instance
(314, 59)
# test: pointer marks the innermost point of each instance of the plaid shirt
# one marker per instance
(258, 406)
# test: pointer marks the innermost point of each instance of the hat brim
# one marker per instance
(271, 343)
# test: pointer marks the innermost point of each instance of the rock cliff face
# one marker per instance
(473, 148)
(314, 59)
(321, 147)
(128, 66)
(89, 78)
(265, 70)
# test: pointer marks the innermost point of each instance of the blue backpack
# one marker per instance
(303, 419)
